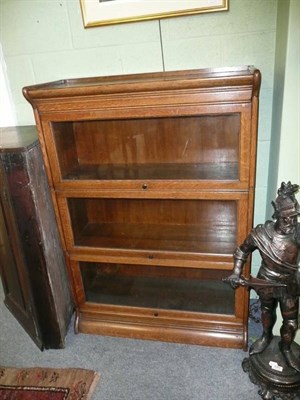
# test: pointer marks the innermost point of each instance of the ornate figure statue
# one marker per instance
(278, 243)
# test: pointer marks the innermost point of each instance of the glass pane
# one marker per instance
(193, 147)
(201, 226)
(158, 287)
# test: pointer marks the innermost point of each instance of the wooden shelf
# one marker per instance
(212, 171)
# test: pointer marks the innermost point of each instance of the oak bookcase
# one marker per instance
(152, 179)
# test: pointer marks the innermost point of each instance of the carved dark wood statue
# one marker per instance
(274, 362)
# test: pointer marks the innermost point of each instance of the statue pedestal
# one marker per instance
(269, 371)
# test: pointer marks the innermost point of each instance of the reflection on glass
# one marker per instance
(167, 288)
(199, 226)
(193, 147)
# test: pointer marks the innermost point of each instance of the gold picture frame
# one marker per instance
(108, 12)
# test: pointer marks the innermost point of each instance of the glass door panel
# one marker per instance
(184, 289)
(187, 147)
(201, 226)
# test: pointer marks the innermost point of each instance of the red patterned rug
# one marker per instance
(47, 384)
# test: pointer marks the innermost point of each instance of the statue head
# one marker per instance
(286, 208)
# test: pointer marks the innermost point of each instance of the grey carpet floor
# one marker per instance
(135, 369)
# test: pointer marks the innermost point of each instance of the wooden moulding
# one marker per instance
(229, 78)
(157, 326)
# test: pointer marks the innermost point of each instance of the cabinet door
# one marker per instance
(186, 229)
(203, 150)
(155, 253)
(18, 297)
(157, 288)
(39, 282)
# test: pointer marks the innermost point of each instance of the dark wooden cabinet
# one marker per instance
(153, 187)
(32, 269)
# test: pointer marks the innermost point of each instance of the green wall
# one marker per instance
(44, 40)
(285, 138)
